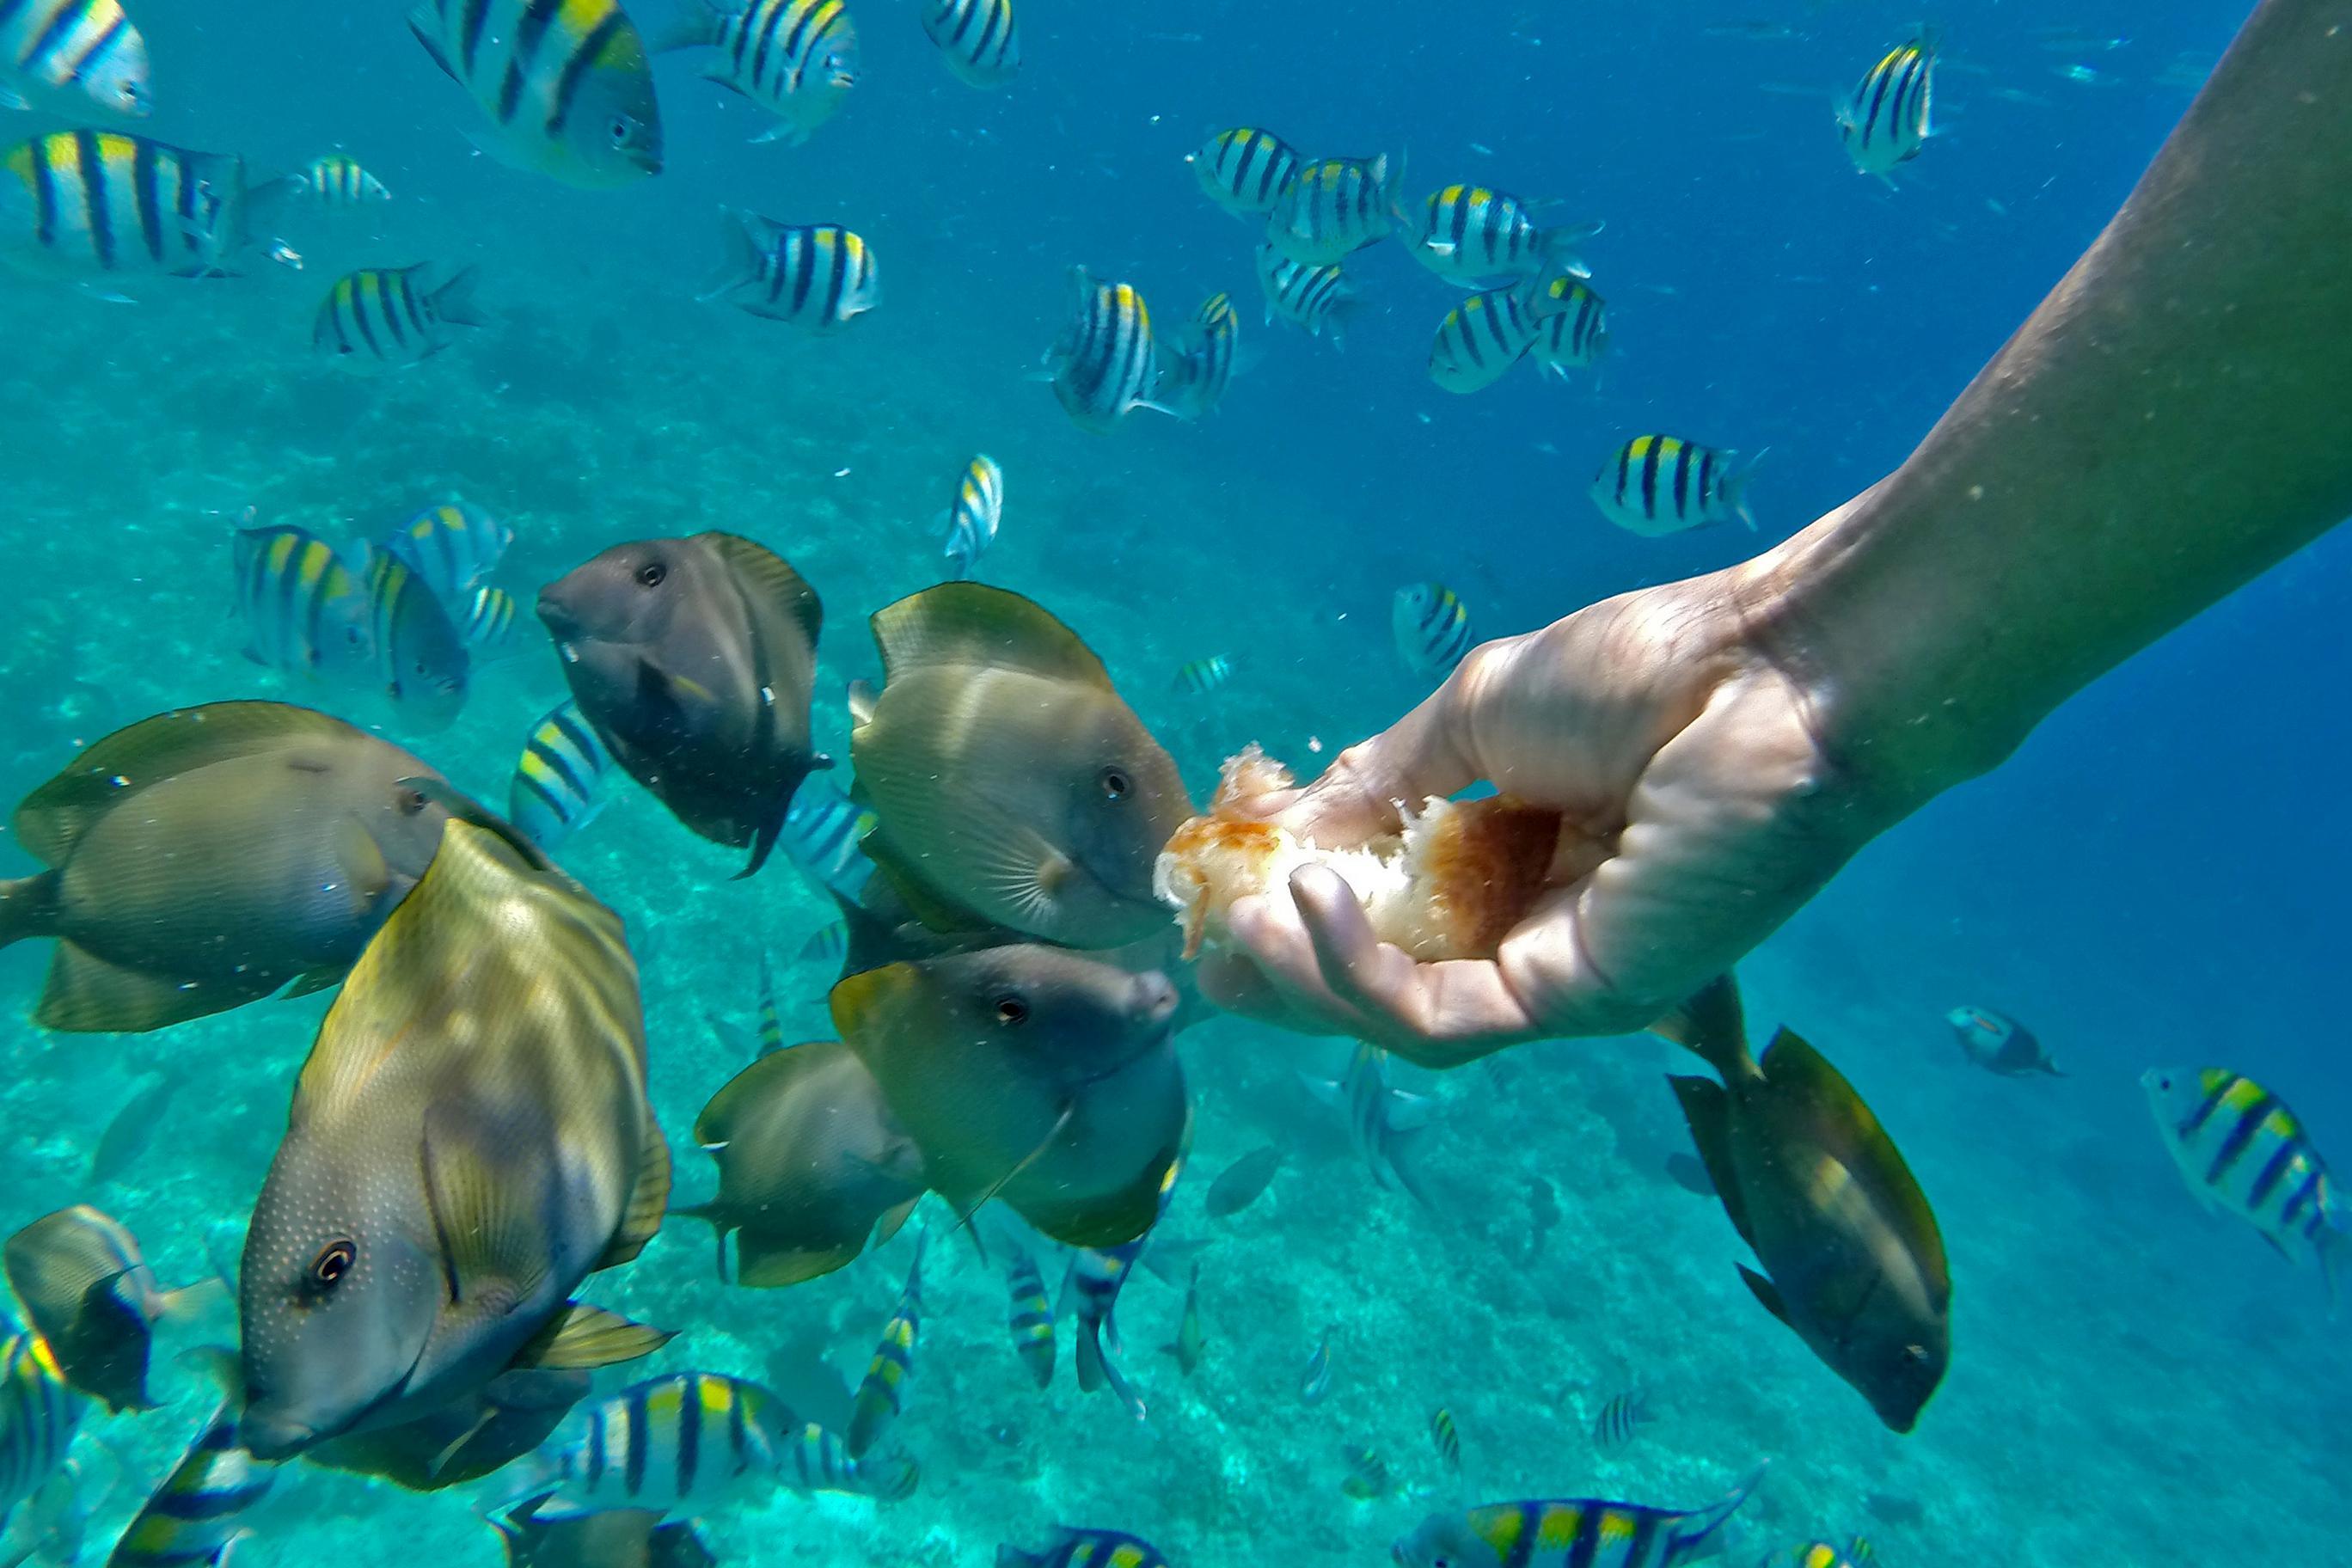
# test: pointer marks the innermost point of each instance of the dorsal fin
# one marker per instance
(770, 578)
(973, 623)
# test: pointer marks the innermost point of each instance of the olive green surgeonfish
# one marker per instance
(470, 1137)
(1011, 783)
(694, 659)
(1852, 1256)
(1032, 1074)
(88, 1290)
(463, 1440)
(207, 856)
(811, 1164)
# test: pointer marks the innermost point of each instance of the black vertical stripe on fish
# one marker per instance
(2212, 1102)
(2233, 1147)
(1587, 1545)
(93, 196)
(633, 1463)
(1646, 1525)
(531, 32)
(45, 195)
(2307, 1193)
(143, 187)
(355, 306)
(2275, 1170)
(689, 1435)
(1650, 479)
(184, 202)
(739, 1435)
(1682, 482)
(62, 22)
(97, 46)
(1523, 1540)
(576, 68)
(387, 297)
(597, 1454)
(470, 23)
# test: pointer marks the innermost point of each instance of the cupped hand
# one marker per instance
(1701, 810)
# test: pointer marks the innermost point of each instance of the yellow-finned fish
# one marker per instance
(1575, 331)
(73, 56)
(568, 87)
(197, 1514)
(383, 319)
(1031, 1316)
(420, 655)
(1657, 484)
(1482, 338)
(1336, 206)
(1473, 233)
(82, 204)
(979, 40)
(1576, 1532)
(1085, 1549)
(1245, 171)
(488, 621)
(305, 611)
(1432, 626)
(796, 58)
(1447, 1439)
(2243, 1151)
(559, 780)
(814, 275)
(39, 1413)
(882, 1393)
(1886, 119)
(453, 546)
(1104, 363)
(973, 516)
(338, 181)
(1203, 676)
(1193, 382)
(1315, 298)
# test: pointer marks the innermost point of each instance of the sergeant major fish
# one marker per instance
(78, 205)
(1030, 1318)
(1201, 676)
(796, 58)
(1657, 484)
(1335, 207)
(694, 658)
(559, 783)
(1090, 1292)
(882, 1393)
(1315, 1382)
(470, 1137)
(1085, 1549)
(1187, 1346)
(979, 40)
(337, 180)
(2242, 1150)
(304, 612)
(385, 319)
(684, 1441)
(822, 830)
(1470, 233)
(1482, 338)
(72, 55)
(487, 622)
(38, 1414)
(197, 1514)
(1575, 328)
(1886, 121)
(1245, 171)
(1580, 1532)
(1432, 627)
(973, 515)
(420, 654)
(817, 276)
(568, 88)
(454, 546)
(1382, 1122)
(207, 856)
(1104, 364)
(1317, 297)
(1194, 383)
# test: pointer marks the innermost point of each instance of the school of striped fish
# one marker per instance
(471, 1141)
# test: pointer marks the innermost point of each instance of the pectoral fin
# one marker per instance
(487, 1198)
(581, 1338)
(648, 1200)
(1766, 1293)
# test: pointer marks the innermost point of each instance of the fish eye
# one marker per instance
(652, 574)
(2164, 1083)
(1012, 1009)
(334, 1261)
(1114, 783)
(621, 130)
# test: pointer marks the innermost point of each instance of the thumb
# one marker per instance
(1414, 758)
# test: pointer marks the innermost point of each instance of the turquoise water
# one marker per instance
(2155, 878)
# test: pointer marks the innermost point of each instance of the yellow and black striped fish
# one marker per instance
(452, 545)
(304, 612)
(1104, 364)
(1335, 207)
(566, 83)
(979, 38)
(338, 181)
(1203, 676)
(559, 780)
(1473, 233)
(37, 1416)
(1245, 171)
(2240, 1148)
(1584, 1533)
(198, 1512)
(1447, 1439)
(1657, 484)
(1193, 380)
(1575, 327)
(819, 276)
(1482, 338)
(383, 319)
(79, 204)
(771, 1023)
(1622, 1419)
(796, 58)
(1886, 120)
(882, 1393)
(1432, 626)
(974, 515)
(817, 1461)
(1085, 1549)
(1315, 298)
(1031, 1315)
(681, 1441)
(72, 55)
(420, 656)
(487, 623)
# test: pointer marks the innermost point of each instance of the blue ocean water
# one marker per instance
(2154, 878)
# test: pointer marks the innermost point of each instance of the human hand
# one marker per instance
(1701, 809)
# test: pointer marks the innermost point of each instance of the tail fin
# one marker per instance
(1096, 1370)
(1560, 244)
(741, 264)
(454, 301)
(1694, 1528)
(1392, 185)
(1735, 486)
(28, 907)
(1712, 1024)
(889, 1477)
(1336, 319)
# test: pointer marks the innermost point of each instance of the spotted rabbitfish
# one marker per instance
(2243, 1151)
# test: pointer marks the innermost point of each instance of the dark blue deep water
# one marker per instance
(2157, 878)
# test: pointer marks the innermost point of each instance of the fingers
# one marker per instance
(1418, 756)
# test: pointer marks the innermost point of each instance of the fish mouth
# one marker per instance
(559, 622)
